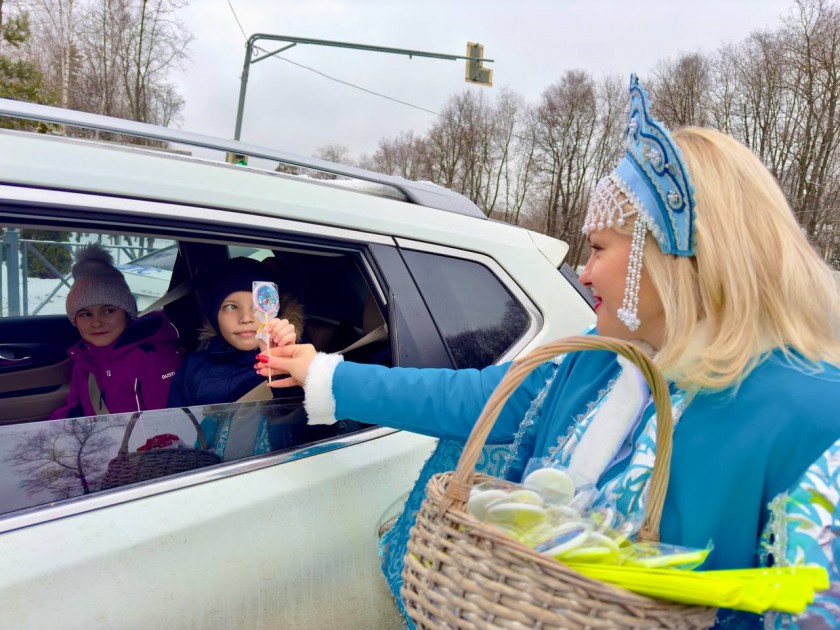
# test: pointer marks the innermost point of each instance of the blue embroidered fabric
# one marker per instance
(505, 461)
(803, 527)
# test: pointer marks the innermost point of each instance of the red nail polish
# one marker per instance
(262, 358)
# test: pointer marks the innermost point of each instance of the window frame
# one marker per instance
(535, 317)
(21, 206)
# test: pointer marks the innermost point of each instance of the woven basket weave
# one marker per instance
(127, 468)
(462, 573)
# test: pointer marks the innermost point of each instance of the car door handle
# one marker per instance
(4, 360)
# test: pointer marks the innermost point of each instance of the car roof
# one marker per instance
(120, 171)
(422, 193)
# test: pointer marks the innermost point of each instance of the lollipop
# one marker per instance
(267, 302)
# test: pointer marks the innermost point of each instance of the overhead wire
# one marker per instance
(236, 17)
(326, 76)
(353, 85)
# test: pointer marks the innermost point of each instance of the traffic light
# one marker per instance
(476, 72)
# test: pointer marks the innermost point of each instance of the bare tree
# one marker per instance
(57, 24)
(112, 56)
(518, 171)
(503, 148)
(64, 457)
(155, 42)
(470, 147)
(763, 109)
(406, 156)
(679, 90)
(811, 37)
(448, 140)
(101, 38)
(574, 127)
(337, 153)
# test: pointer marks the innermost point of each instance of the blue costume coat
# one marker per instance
(734, 451)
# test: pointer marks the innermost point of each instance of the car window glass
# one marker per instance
(35, 269)
(159, 259)
(59, 459)
(248, 252)
(53, 460)
(477, 316)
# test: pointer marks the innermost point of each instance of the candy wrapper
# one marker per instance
(267, 304)
(552, 514)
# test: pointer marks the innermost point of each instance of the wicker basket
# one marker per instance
(462, 573)
(127, 468)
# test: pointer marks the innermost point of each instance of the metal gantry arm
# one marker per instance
(293, 41)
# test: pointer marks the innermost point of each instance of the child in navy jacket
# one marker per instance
(221, 372)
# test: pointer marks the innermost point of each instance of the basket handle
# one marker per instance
(129, 428)
(458, 489)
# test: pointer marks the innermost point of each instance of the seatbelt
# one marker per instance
(170, 296)
(377, 334)
(264, 392)
(96, 400)
(260, 392)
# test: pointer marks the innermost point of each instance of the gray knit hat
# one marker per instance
(97, 281)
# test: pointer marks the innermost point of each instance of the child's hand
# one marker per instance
(281, 332)
(292, 359)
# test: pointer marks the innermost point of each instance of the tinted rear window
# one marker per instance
(476, 314)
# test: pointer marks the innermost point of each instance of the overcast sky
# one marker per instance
(533, 42)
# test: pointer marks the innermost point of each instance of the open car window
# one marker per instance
(41, 269)
(360, 294)
(46, 461)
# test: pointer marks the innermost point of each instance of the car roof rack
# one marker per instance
(422, 193)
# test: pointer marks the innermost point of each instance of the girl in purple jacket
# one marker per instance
(132, 359)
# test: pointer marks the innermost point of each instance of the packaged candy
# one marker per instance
(556, 515)
(660, 555)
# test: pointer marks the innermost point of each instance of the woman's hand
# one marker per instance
(292, 359)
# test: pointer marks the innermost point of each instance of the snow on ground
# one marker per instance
(46, 296)
(41, 294)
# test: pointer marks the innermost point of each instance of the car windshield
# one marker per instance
(160, 259)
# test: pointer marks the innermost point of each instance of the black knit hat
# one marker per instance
(237, 274)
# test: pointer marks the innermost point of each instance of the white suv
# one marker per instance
(287, 539)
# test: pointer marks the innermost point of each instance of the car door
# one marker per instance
(263, 541)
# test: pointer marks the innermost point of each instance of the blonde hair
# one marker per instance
(755, 284)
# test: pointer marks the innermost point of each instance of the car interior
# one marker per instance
(344, 312)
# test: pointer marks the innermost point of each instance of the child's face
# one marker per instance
(100, 325)
(237, 321)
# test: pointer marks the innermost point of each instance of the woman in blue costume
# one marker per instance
(696, 256)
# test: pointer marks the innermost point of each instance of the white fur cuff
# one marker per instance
(319, 401)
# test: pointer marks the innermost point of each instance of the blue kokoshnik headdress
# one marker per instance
(652, 183)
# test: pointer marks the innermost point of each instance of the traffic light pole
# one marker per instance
(293, 41)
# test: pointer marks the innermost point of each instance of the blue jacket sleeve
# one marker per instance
(437, 402)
